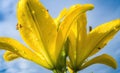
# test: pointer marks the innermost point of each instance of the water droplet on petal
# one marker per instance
(46, 16)
(75, 6)
(85, 61)
(43, 10)
(23, 52)
(36, 39)
(33, 12)
(15, 49)
(42, 57)
(115, 29)
(29, 26)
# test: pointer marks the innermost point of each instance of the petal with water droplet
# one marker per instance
(37, 24)
(102, 35)
(66, 24)
(20, 50)
(9, 56)
(77, 39)
(60, 17)
(102, 59)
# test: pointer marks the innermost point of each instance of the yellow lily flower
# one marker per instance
(83, 45)
(41, 33)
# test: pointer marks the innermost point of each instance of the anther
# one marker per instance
(47, 10)
(90, 28)
(18, 26)
(99, 48)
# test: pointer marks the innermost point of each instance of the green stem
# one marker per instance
(59, 71)
(73, 72)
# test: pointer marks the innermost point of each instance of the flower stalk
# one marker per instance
(59, 71)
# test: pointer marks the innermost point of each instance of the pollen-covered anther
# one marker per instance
(18, 26)
(47, 10)
(99, 48)
(90, 28)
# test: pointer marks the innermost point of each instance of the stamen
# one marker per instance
(99, 48)
(18, 26)
(90, 28)
(47, 10)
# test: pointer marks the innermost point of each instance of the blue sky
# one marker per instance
(104, 11)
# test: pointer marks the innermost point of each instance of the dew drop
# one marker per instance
(75, 6)
(85, 61)
(72, 7)
(36, 39)
(16, 50)
(46, 16)
(33, 12)
(115, 29)
(23, 52)
(42, 57)
(43, 10)
(29, 26)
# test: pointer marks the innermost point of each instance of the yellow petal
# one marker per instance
(98, 37)
(102, 59)
(17, 48)
(9, 56)
(77, 39)
(66, 24)
(72, 48)
(102, 35)
(70, 70)
(37, 28)
(81, 37)
(61, 16)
